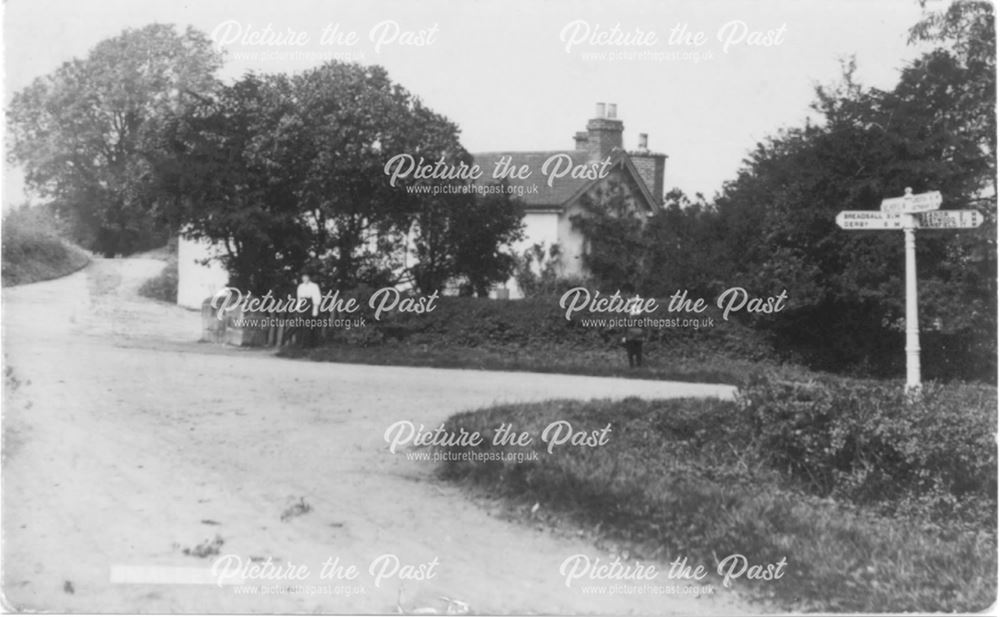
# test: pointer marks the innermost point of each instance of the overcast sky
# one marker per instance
(524, 75)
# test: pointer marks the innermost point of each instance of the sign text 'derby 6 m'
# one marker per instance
(868, 219)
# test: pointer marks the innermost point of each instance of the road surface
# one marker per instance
(128, 446)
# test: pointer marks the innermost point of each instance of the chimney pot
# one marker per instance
(643, 141)
(612, 111)
(600, 110)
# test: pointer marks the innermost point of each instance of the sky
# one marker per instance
(706, 79)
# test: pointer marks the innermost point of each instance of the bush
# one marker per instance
(539, 322)
(162, 287)
(533, 335)
(864, 442)
(34, 251)
(707, 478)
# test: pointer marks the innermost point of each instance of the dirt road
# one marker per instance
(126, 443)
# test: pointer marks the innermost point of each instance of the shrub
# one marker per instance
(163, 286)
(34, 251)
(533, 335)
(539, 322)
(706, 478)
(864, 442)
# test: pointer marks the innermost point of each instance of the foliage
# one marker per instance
(34, 250)
(288, 172)
(533, 335)
(616, 242)
(465, 236)
(163, 286)
(772, 227)
(89, 133)
(683, 243)
(864, 442)
(538, 272)
(706, 478)
(539, 321)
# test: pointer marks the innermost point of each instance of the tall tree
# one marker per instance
(465, 238)
(934, 130)
(288, 172)
(86, 134)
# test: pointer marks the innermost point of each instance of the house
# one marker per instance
(635, 176)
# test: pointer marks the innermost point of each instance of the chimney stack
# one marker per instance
(651, 166)
(604, 132)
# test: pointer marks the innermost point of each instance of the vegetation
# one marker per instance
(139, 140)
(90, 134)
(534, 335)
(33, 250)
(877, 505)
(163, 287)
(308, 187)
(772, 227)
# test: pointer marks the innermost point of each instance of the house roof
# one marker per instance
(564, 189)
(555, 196)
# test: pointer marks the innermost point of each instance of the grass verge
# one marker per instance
(702, 479)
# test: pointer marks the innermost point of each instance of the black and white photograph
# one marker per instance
(490, 307)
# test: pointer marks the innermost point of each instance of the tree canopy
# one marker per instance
(287, 173)
(87, 133)
(772, 227)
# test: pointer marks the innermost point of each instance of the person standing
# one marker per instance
(634, 336)
(634, 333)
(309, 298)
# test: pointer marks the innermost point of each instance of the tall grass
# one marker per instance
(34, 251)
(708, 478)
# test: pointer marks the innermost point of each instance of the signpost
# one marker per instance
(909, 213)
(949, 219)
(856, 220)
(909, 203)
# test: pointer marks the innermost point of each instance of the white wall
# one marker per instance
(539, 228)
(195, 281)
(571, 241)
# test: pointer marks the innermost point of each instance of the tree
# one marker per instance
(233, 169)
(87, 133)
(684, 249)
(467, 237)
(934, 130)
(289, 172)
(617, 246)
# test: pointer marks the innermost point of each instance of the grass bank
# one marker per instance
(33, 251)
(876, 505)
